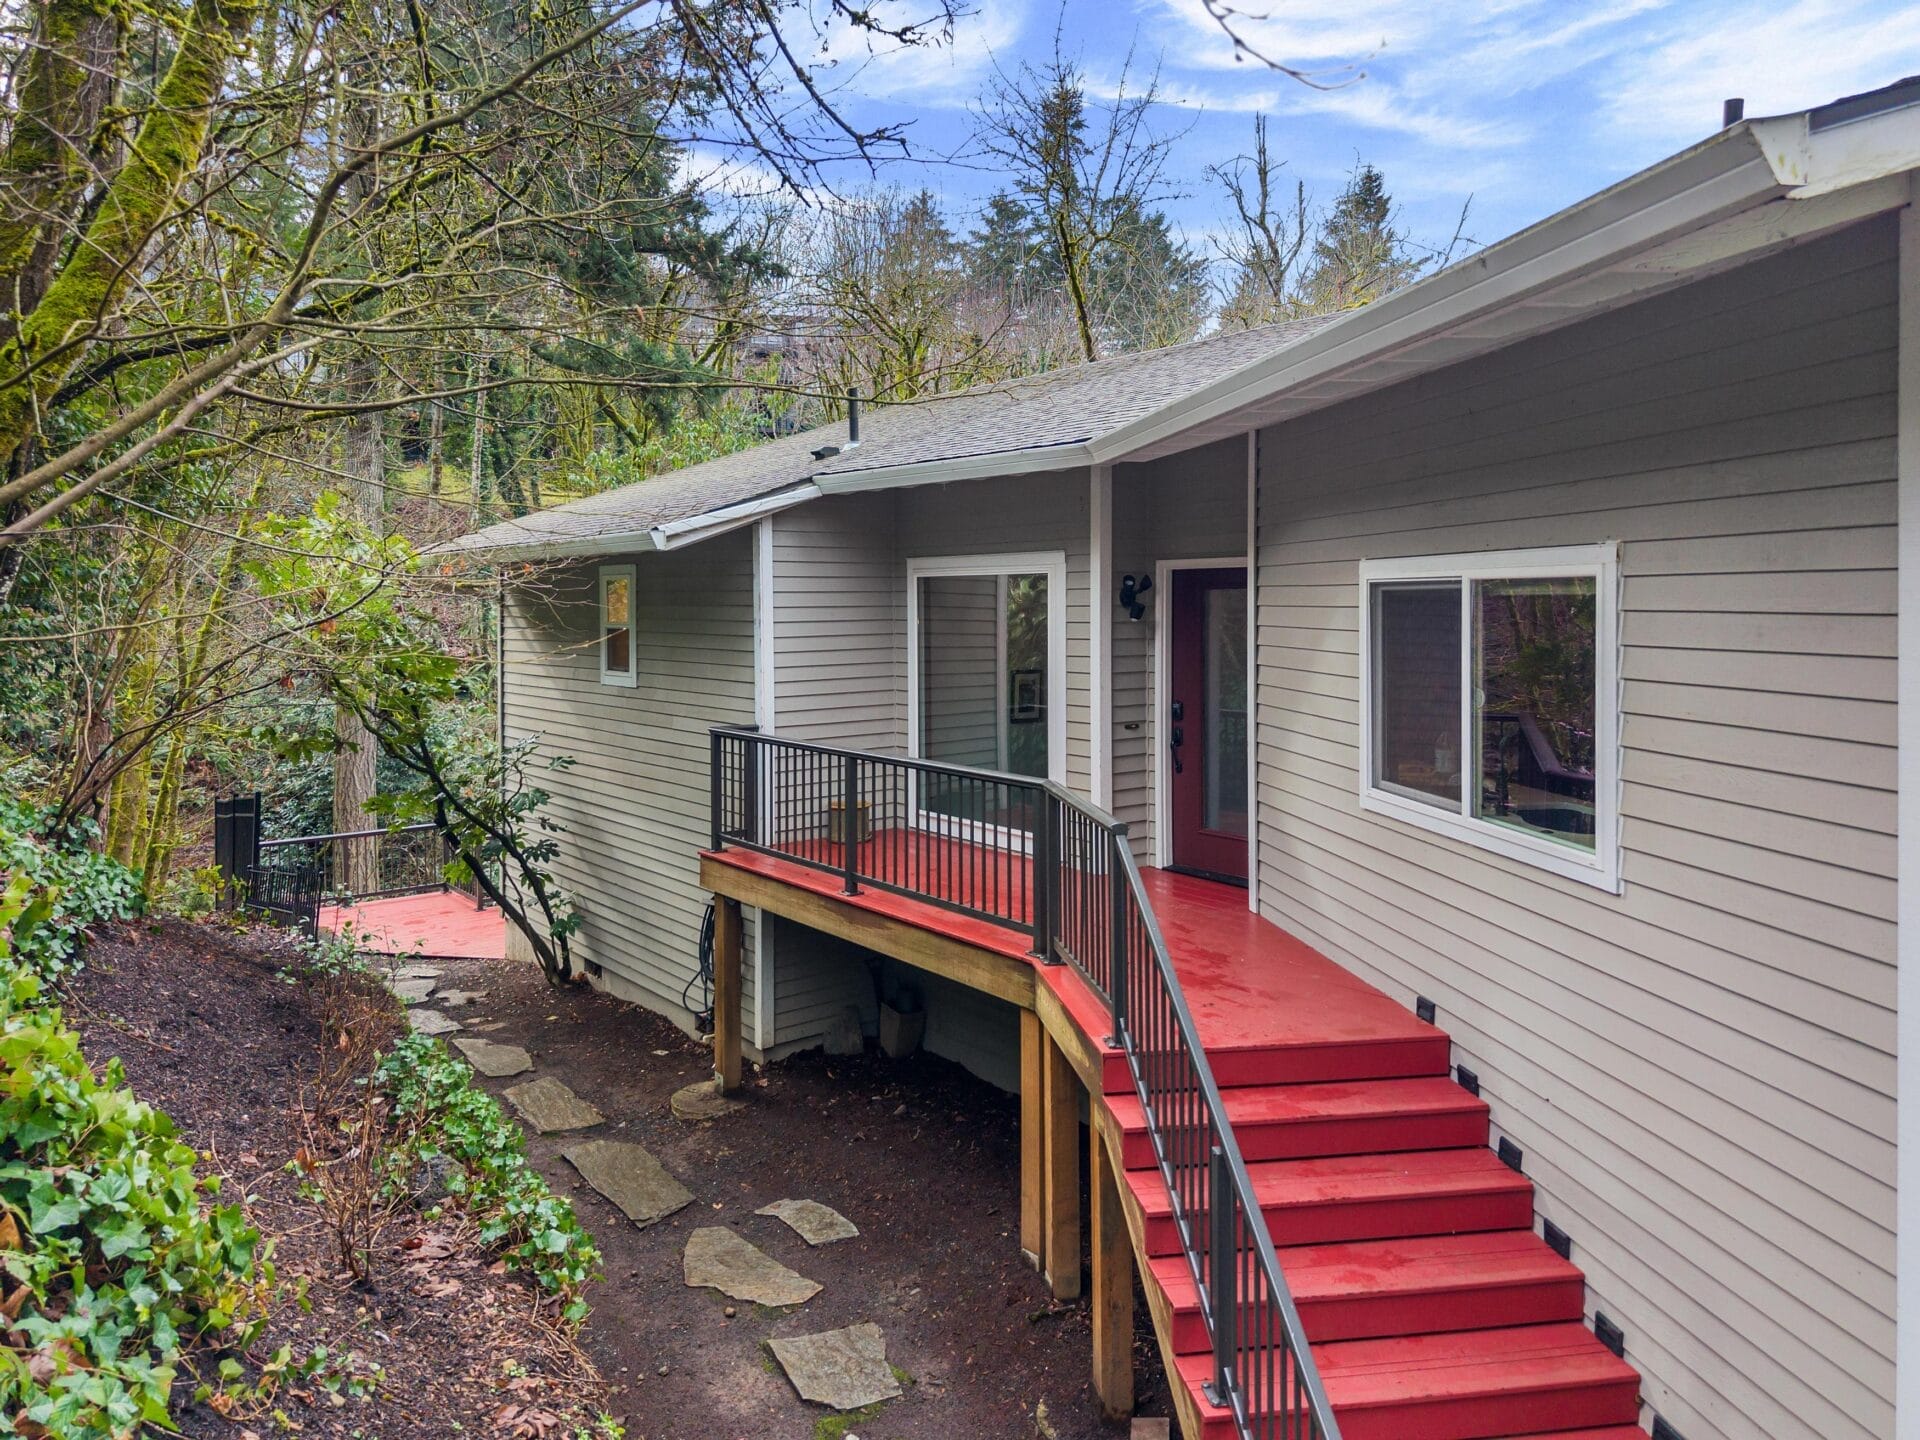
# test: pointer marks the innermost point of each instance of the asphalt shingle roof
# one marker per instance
(1068, 406)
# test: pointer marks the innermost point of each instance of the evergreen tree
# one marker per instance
(1361, 254)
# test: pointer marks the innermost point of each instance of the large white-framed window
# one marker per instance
(1490, 702)
(616, 622)
(987, 670)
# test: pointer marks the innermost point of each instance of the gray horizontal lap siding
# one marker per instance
(1701, 1069)
(634, 803)
(840, 654)
(1189, 506)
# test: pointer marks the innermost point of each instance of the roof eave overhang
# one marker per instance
(1037, 460)
(668, 535)
(1705, 208)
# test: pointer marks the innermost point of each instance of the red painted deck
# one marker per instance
(1435, 1311)
(438, 925)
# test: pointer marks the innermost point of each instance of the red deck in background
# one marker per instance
(439, 925)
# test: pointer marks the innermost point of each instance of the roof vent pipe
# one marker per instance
(1732, 111)
(853, 416)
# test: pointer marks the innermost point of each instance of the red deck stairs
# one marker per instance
(1435, 1311)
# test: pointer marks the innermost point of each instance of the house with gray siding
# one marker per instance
(1425, 787)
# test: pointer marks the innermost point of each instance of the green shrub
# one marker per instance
(441, 1112)
(83, 886)
(110, 1262)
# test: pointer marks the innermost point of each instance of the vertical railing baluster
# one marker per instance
(1220, 1271)
(1117, 927)
(849, 830)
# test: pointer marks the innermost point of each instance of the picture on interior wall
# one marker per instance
(1027, 697)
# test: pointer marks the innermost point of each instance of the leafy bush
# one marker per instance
(111, 1267)
(441, 1112)
(79, 886)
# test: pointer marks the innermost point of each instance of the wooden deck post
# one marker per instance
(1060, 1144)
(1033, 1183)
(726, 993)
(1112, 1286)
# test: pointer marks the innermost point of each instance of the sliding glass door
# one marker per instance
(986, 692)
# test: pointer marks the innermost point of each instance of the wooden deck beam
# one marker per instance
(1004, 977)
(1060, 1144)
(1112, 1285)
(727, 931)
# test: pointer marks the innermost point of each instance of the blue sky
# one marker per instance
(1525, 105)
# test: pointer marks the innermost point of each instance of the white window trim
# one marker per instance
(629, 677)
(1052, 564)
(1601, 562)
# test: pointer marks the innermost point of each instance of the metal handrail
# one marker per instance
(1084, 902)
(285, 840)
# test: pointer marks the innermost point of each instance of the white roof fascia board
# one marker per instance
(1817, 161)
(533, 550)
(692, 529)
(1037, 460)
(1504, 275)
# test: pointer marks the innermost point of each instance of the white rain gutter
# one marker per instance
(694, 528)
(670, 535)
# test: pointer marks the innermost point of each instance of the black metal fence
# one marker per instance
(1032, 857)
(290, 878)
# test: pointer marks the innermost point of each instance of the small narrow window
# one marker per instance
(1489, 708)
(616, 625)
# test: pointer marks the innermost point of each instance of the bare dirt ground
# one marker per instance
(917, 1153)
(208, 1032)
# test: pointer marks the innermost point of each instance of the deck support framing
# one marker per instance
(1033, 1181)
(1060, 1163)
(1112, 1267)
(728, 928)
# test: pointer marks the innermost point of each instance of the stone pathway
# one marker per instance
(630, 1177)
(720, 1260)
(813, 1222)
(846, 1369)
(494, 1060)
(549, 1106)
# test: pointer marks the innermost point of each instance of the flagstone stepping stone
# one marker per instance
(417, 972)
(547, 1105)
(494, 1060)
(453, 999)
(702, 1100)
(846, 1369)
(630, 1177)
(813, 1222)
(431, 1022)
(721, 1260)
(412, 992)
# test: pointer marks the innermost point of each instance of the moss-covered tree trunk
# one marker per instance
(50, 340)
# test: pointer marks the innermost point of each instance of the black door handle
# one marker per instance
(1174, 742)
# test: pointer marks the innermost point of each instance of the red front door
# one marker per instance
(1204, 720)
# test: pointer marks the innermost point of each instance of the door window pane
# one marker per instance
(1416, 689)
(1225, 663)
(1534, 705)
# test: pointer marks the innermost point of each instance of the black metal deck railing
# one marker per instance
(1030, 856)
(291, 877)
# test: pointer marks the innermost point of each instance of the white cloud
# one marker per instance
(1778, 60)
